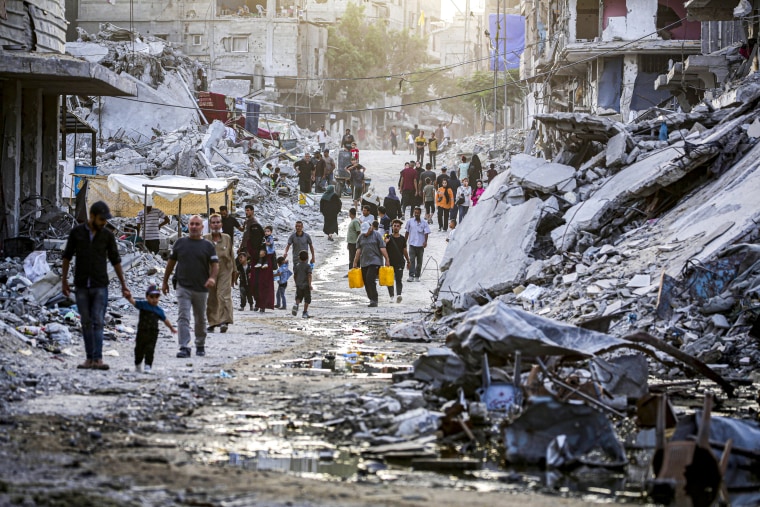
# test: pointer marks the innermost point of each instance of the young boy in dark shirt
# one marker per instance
(147, 327)
(302, 277)
(241, 275)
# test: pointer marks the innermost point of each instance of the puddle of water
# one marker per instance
(325, 463)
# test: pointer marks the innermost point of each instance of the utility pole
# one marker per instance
(466, 30)
(495, 61)
(506, 73)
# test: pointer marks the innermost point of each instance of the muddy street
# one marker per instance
(252, 423)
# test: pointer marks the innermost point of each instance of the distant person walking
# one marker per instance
(219, 305)
(420, 142)
(463, 199)
(322, 138)
(253, 234)
(410, 142)
(347, 140)
(197, 269)
(151, 220)
(464, 166)
(394, 140)
(444, 201)
(302, 275)
(229, 223)
(417, 232)
(93, 245)
(330, 205)
(432, 149)
(242, 277)
(299, 240)
(477, 192)
(305, 171)
(370, 255)
(407, 182)
(354, 230)
(329, 167)
(395, 245)
(392, 204)
(475, 171)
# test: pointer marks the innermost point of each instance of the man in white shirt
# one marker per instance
(322, 138)
(417, 232)
(151, 220)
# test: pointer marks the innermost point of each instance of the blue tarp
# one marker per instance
(514, 29)
(610, 84)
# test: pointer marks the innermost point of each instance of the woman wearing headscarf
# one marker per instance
(392, 204)
(444, 201)
(477, 192)
(475, 171)
(329, 206)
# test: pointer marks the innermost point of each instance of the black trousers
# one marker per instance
(351, 254)
(421, 155)
(369, 274)
(153, 245)
(398, 272)
(145, 346)
(245, 295)
(443, 218)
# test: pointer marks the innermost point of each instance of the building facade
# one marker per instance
(603, 57)
(34, 74)
(269, 43)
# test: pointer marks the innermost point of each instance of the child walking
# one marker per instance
(147, 327)
(242, 275)
(281, 276)
(269, 241)
(302, 276)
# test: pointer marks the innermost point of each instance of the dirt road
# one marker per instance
(211, 430)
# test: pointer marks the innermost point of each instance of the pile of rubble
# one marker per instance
(621, 225)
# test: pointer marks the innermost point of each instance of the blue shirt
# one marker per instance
(417, 231)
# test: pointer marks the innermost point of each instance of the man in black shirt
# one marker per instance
(305, 170)
(92, 245)
(229, 223)
(395, 245)
(347, 140)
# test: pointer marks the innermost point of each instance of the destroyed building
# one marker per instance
(34, 74)
(264, 45)
(605, 57)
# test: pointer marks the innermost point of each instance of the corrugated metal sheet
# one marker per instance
(49, 29)
(17, 28)
(717, 35)
(42, 21)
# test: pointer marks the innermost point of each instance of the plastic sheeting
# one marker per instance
(528, 438)
(502, 330)
(610, 84)
(125, 194)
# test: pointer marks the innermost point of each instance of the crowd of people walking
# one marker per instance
(205, 268)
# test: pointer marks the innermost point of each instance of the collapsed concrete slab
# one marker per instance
(718, 215)
(637, 180)
(502, 236)
(538, 174)
(164, 109)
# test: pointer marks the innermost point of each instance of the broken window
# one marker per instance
(587, 20)
(239, 44)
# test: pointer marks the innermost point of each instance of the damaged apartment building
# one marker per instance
(265, 48)
(34, 74)
(624, 57)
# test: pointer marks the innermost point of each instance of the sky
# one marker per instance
(449, 7)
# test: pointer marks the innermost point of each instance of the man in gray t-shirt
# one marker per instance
(370, 255)
(197, 269)
(299, 240)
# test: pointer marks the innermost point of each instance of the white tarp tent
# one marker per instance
(126, 194)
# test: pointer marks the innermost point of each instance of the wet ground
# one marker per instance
(258, 421)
